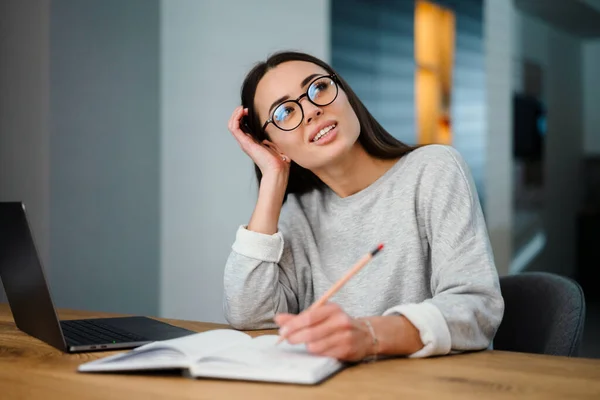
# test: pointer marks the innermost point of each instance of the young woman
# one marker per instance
(333, 184)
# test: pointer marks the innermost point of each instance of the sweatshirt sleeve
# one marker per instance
(259, 280)
(466, 307)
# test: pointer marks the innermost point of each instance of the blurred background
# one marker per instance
(113, 129)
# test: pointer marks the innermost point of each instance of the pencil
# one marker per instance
(338, 285)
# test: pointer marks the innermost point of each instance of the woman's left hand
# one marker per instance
(328, 331)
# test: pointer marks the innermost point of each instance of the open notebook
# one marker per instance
(224, 354)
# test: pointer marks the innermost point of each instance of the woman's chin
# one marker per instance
(331, 156)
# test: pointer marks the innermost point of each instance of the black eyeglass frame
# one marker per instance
(333, 77)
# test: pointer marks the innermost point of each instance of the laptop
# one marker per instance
(33, 310)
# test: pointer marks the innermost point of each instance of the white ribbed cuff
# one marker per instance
(258, 245)
(432, 327)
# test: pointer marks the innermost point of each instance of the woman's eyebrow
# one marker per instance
(308, 79)
(304, 82)
(277, 102)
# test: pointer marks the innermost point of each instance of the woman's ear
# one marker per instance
(272, 145)
(275, 149)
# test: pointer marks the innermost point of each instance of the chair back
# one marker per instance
(544, 314)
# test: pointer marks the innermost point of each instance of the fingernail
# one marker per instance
(283, 331)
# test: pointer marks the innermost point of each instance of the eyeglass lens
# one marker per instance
(289, 115)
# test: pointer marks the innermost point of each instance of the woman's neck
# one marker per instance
(355, 172)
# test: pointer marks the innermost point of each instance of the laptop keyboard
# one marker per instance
(85, 332)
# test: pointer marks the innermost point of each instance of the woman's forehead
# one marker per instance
(283, 80)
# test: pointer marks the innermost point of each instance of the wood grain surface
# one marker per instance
(31, 369)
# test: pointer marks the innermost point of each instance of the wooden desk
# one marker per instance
(30, 369)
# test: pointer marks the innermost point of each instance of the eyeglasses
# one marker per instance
(287, 116)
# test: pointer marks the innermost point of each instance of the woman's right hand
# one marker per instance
(275, 168)
(266, 155)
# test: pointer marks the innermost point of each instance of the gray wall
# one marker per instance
(134, 176)
(498, 21)
(104, 146)
(24, 88)
(560, 56)
(207, 183)
(591, 96)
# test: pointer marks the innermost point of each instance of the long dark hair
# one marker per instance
(373, 137)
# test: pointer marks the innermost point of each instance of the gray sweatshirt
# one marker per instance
(437, 267)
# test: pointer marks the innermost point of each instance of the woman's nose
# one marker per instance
(311, 111)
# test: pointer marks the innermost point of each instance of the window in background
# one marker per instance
(434, 57)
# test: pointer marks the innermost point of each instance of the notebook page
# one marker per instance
(264, 353)
(173, 353)
(262, 360)
(200, 344)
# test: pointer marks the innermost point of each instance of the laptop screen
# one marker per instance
(23, 277)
